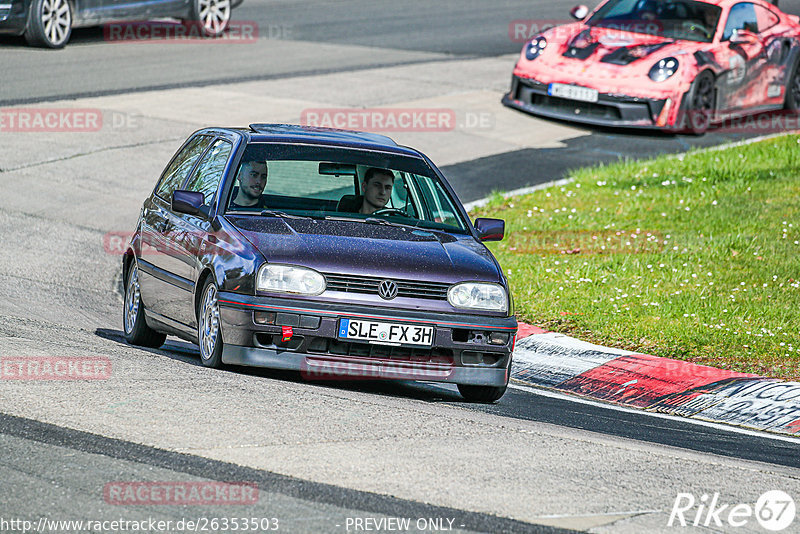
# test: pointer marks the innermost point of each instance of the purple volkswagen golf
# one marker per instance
(338, 254)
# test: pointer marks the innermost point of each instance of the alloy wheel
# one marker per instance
(56, 20)
(132, 299)
(209, 323)
(214, 15)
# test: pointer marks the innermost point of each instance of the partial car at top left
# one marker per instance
(49, 23)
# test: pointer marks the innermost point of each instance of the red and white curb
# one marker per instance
(565, 364)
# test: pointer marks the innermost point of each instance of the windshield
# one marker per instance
(675, 19)
(342, 185)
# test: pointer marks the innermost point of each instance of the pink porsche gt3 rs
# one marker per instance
(676, 65)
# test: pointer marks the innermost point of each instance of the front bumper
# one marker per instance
(460, 352)
(610, 110)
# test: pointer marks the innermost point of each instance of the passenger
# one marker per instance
(252, 181)
(377, 189)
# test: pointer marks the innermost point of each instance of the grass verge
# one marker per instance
(694, 257)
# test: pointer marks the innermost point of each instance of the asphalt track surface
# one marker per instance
(50, 467)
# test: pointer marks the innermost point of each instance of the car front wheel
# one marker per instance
(49, 23)
(209, 335)
(701, 106)
(481, 393)
(136, 330)
(485, 393)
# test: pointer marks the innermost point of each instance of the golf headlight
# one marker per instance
(535, 47)
(664, 69)
(290, 279)
(478, 296)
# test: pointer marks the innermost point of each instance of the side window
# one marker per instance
(437, 204)
(177, 170)
(401, 198)
(208, 174)
(766, 18)
(741, 17)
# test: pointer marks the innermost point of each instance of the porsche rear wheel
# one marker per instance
(209, 335)
(793, 89)
(701, 104)
(136, 330)
(49, 23)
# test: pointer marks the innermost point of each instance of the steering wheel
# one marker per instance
(695, 26)
(389, 211)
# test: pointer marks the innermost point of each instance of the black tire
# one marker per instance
(792, 100)
(209, 334)
(212, 17)
(133, 323)
(481, 393)
(701, 104)
(49, 23)
(485, 393)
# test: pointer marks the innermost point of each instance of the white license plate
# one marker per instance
(385, 333)
(573, 92)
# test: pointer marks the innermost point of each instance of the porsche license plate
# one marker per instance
(385, 333)
(573, 92)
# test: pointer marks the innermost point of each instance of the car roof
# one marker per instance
(311, 135)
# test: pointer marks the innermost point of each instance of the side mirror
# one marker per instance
(490, 229)
(579, 12)
(743, 37)
(187, 202)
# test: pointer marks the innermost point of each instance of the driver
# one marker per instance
(710, 22)
(252, 181)
(377, 188)
(646, 10)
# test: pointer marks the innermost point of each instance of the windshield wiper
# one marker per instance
(283, 215)
(342, 218)
(376, 220)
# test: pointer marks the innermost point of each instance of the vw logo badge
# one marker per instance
(387, 290)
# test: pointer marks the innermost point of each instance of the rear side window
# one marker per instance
(741, 17)
(180, 166)
(766, 18)
(207, 176)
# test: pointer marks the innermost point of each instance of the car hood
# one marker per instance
(370, 249)
(607, 59)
